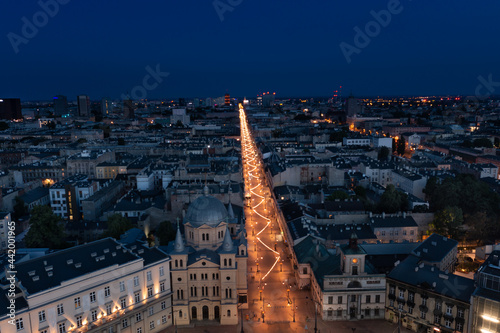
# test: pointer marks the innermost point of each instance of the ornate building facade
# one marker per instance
(209, 266)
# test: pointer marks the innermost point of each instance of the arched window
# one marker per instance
(207, 236)
(202, 236)
(180, 313)
(180, 263)
(229, 313)
(225, 262)
(176, 263)
(242, 252)
(230, 262)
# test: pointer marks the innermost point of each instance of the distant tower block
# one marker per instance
(60, 105)
(354, 106)
(83, 105)
(227, 100)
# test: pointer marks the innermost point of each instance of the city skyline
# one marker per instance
(102, 50)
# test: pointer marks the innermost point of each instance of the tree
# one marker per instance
(383, 153)
(121, 141)
(360, 191)
(448, 222)
(46, 229)
(483, 142)
(19, 208)
(430, 187)
(179, 124)
(392, 200)
(339, 194)
(3, 125)
(166, 232)
(117, 225)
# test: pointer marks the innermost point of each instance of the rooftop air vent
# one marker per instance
(78, 265)
(36, 278)
(31, 273)
(93, 254)
(69, 261)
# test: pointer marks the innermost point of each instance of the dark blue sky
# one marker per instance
(101, 48)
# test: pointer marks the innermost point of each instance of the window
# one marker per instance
(460, 313)
(122, 286)
(163, 305)
(107, 292)
(137, 297)
(151, 310)
(62, 328)
(152, 323)
(459, 327)
(377, 312)
(447, 322)
(339, 313)
(41, 316)
(138, 316)
(339, 299)
(93, 315)
(125, 323)
(60, 309)
(123, 303)
(79, 321)
(92, 297)
(377, 298)
(109, 309)
(162, 286)
(422, 314)
(391, 302)
(330, 299)
(354, 270)
(411, 296)
(150, 291)
(163, 319)
(437, 319)
(136, 281)
(382, 233)
(162, 271)
(368, 298)
(139, 329)
(438, 306)
(400, 307)
(19, 324)
(353, 298)
(392, 290)
(410, 310)
(401, 294)
(367, 312)
(449, 309)
(229, 313)
(149, 276)
(176, 263)
(424, 301)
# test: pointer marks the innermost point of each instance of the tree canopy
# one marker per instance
(383, 153)
(339, 194)
(480, 206)
(166, 232)
(392, 201)
(117, 225)
(46, 229)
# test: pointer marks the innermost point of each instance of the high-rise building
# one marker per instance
(208, 102)
(60, 105)
(83, 106)
(106, 106)
(268, 99)
(10, 108)
(354, 106)
(227, 100)
(128, 109)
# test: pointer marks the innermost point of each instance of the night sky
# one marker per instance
(102, 47)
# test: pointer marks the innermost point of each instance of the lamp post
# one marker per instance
(263, 311)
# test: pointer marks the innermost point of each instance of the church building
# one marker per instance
(209, 264)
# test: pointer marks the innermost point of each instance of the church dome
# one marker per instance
(206, 210)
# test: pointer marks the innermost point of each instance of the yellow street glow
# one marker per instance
(490, 318)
